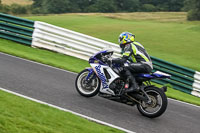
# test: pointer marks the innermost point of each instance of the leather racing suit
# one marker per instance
(140, 62)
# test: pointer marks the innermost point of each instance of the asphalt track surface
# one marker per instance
(56, 87)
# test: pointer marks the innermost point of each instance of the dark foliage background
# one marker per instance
(105, 6)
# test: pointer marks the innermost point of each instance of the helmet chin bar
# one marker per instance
(123, 45)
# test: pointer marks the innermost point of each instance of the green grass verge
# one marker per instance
(19, 115)
(166, 36)
(70, 63)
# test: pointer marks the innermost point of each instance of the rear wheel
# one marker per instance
(158, 103)
(84, 88)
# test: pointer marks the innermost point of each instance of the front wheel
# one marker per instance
(158, 103)
(84, 88)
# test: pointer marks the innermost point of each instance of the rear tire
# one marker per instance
(87, 89)
(159, 103)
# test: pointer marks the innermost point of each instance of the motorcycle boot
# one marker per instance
(131, 80)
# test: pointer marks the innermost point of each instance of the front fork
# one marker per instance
(91, 75)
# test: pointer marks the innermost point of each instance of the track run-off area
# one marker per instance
(56, 87)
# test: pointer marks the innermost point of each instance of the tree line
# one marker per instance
(105, 6)
(62, 6)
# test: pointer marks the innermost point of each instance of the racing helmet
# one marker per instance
(125, 38)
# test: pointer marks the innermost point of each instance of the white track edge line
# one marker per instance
(66, 110)
(183, 102)
(37, 63)
(76, 74)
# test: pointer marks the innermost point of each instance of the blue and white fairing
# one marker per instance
(99, 68)
(95, 57)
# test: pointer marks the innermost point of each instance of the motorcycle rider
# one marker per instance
(133, 52)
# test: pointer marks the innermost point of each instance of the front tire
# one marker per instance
(158, 103)
(87, 89)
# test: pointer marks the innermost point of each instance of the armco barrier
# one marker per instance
(83, 46)
(184, 79)
(70, 39)
(16, 29)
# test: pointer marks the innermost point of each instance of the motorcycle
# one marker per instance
(104, 78)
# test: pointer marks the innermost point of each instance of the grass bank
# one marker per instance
(165, 35)
(19, 115)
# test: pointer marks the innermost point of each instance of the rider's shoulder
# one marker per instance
(138, 44)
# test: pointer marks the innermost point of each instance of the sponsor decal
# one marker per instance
(101, 76)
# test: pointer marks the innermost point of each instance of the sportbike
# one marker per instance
(105, 79)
